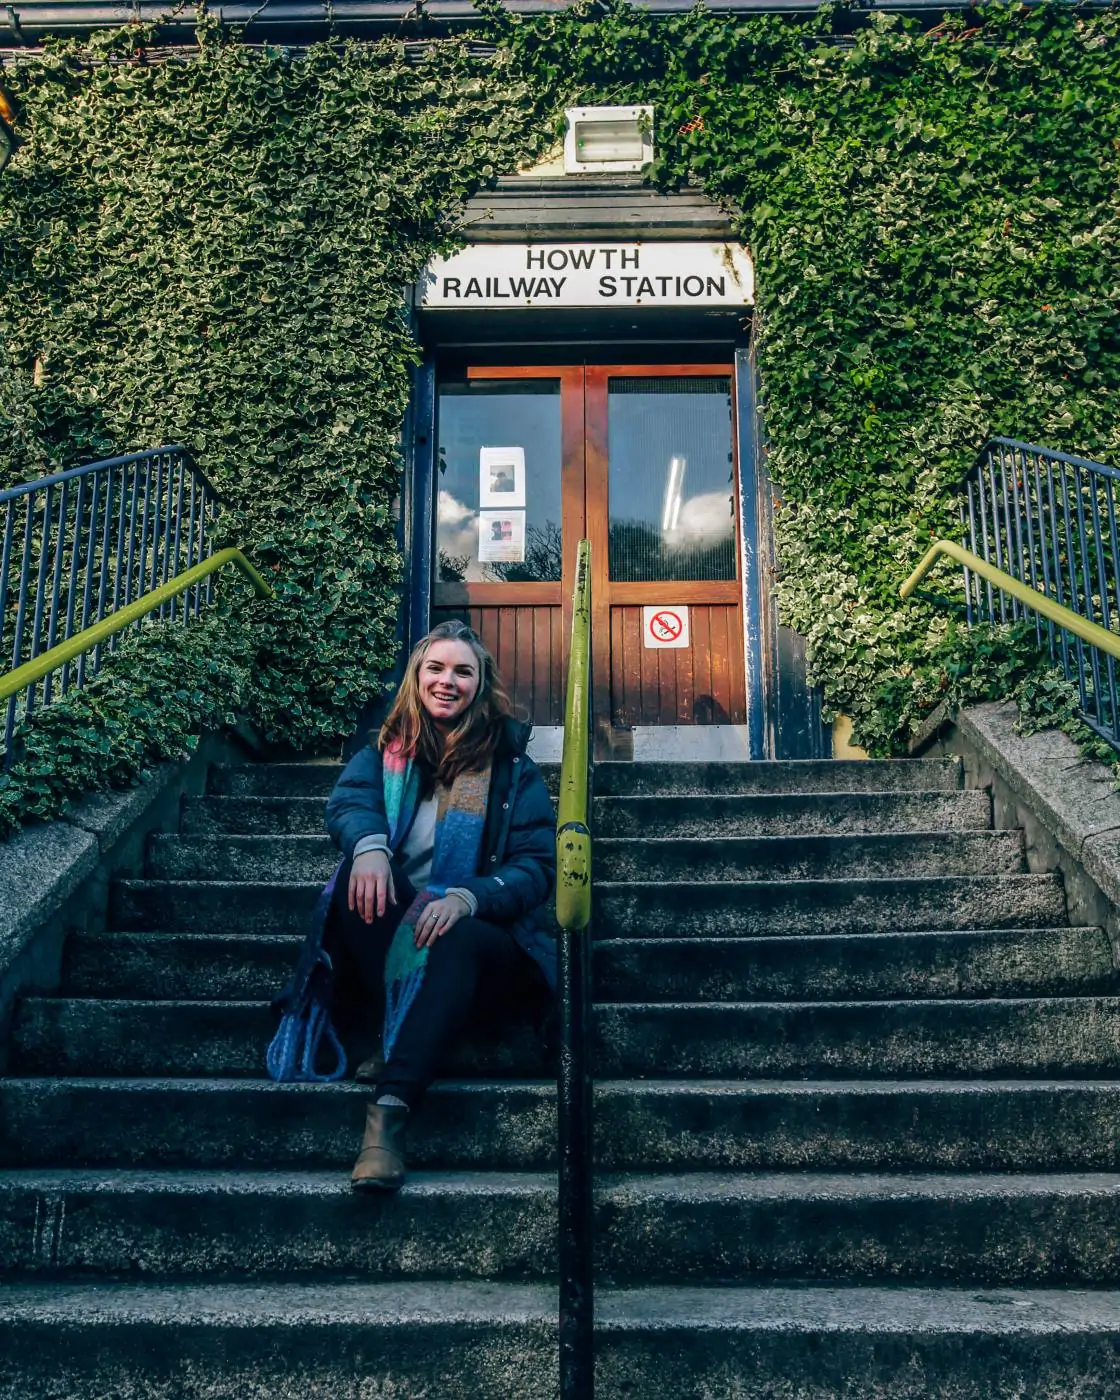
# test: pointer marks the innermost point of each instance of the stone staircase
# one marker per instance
(856, 1117)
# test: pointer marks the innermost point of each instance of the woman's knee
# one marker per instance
(470, 939)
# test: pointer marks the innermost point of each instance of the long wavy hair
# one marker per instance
(443, 755)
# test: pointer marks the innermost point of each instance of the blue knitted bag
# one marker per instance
(306, 1021)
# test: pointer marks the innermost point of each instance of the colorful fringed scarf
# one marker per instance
(460, 817)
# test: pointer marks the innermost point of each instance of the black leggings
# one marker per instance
(475, 970)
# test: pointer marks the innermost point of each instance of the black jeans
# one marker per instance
(475, 972)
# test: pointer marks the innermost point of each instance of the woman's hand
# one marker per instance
(371, 885)
(436, 918)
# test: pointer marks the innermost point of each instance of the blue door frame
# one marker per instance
(746, 399)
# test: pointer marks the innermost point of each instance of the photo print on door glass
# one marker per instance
(501, 536)
(501, 477)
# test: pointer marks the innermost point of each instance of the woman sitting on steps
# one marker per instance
(448, 838)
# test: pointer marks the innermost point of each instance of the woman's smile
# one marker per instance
(448, 680)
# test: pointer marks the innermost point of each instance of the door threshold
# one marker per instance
(657, 743)
(691, 743)
(546, 743)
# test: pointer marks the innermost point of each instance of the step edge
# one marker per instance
(329, 1307)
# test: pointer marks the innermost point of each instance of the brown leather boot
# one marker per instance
(380, 1165)
(371, 1070)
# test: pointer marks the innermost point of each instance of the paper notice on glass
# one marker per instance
(501, 477)
(501, 536)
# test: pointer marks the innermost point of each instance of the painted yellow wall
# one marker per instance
(842, 746)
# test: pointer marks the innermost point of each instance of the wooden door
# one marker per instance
(515, 592)
(663, 511)
(641, 459)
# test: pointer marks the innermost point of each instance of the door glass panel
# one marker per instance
(498, 481)
(671, 479)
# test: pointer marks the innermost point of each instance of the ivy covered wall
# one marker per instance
(212, 249)
(934, 222)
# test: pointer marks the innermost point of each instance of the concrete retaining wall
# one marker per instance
(54, 876)
(1067, 805)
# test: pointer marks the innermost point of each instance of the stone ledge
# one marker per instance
(40, 868)
(55, 875)
(1068, 805)
(108, 815)
(1075, 798)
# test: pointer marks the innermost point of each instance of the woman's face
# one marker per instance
(448, 680)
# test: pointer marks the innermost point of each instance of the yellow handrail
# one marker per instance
(1030, 597)
(86, 640)
(574, 1117)
(573, 837)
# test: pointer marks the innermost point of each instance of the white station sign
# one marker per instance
(665, 627)
(510, 275)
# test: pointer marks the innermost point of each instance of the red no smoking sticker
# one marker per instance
(665, 627)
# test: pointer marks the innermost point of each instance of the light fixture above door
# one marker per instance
(605, 140)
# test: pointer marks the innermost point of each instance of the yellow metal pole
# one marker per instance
(573, 839)
(576, 1215)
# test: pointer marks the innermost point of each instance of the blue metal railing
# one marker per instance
(1050, 521)
(85, 543)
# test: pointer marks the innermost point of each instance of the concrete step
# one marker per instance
(255, 858)
(969, 963)
(792, 814)
(299, 779)
(765, 814)
(640, 1125)
(280, 1225)
(179, 966)
(650, 909)
(783, 776)
(634, 779)
(62, 1035)
(462, 1124)
(1075, 1036)
(482, 1341)
(668, 909)
(987, 1229)
(1052, 1036)
(230, 857)
(273, 779)
(809, 857)
(213, 906)
(859, 967)
(253, 816)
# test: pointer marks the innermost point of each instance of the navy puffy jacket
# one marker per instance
(518, 859)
